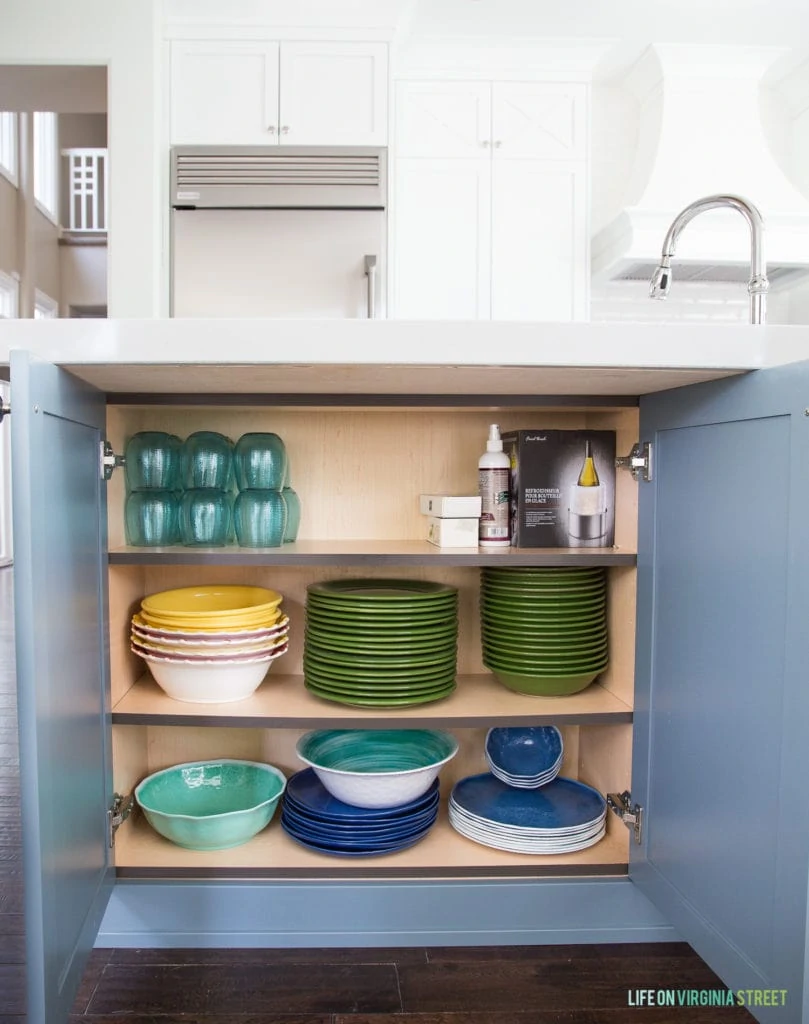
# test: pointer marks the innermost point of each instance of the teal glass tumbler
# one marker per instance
(260, 518)
(152, 461)
(151, 518)
(205, 517)
(260, 462)
(293, 503)
(206, 461)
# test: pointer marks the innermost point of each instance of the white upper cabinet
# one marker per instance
(490, 201)
(334, 94)
(263, 93)
(539, 240)
(443, 119)
(224, 93)
(443, 239)
(541, 121)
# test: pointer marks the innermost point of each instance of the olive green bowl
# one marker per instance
(211, 805)
(545, 686)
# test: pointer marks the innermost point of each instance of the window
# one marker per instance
(45, 308)
(8, 145)
(8, 297)
(46, 164)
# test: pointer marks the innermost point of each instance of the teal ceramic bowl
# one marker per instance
(376, 767)
(211, 805)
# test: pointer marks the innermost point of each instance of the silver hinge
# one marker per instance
(5, 409)
(109, 460)
(630, 814)
(638, 462)
(117, 815)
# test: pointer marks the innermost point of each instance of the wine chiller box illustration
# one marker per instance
(562, 487)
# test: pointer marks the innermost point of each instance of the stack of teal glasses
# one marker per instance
(207, 492)
(267, 510)
(152, 470)
(206, 506)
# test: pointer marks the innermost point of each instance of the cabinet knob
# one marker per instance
(271, 129)
(285, 129)
(498, 143)
(485, 143)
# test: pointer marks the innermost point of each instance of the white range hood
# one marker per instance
(701, 133)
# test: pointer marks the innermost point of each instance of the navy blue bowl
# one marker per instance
(524, 750)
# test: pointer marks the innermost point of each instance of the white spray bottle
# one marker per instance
(494, 469)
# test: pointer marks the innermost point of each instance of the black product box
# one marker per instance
(562, 488)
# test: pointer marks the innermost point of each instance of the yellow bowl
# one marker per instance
(211, 623)
(219, 637)
(226, 602)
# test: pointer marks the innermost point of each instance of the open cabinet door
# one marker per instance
(721, 755)
(62, 676)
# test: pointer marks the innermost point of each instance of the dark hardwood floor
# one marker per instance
(493, 985)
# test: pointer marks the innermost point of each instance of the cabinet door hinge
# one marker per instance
(639, 461)
(117, 815)
(109, 460)
(630, 814)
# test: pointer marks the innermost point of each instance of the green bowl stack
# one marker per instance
(380, 643)
(544, 631)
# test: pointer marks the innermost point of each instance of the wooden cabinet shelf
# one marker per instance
(283, 702)
(142, 853)
(371, 552)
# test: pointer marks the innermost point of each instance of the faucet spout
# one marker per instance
(661, 279)
(758, 285)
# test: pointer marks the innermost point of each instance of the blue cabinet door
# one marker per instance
(721, 755)
(61, 629)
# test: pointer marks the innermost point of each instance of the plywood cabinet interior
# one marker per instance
(227, 92)
(358, 473)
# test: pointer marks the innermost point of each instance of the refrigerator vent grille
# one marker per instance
(268, 177)
(283, 169)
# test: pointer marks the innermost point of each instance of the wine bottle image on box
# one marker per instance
(588, 476)
(587, 515)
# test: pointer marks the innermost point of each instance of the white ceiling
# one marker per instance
(776, 23)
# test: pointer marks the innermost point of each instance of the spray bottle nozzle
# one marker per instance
(494, 444)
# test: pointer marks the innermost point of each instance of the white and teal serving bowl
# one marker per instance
(376, 767)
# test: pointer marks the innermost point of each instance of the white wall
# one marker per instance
(30, 87)
(8, 225)
(47, 273)
(125, 36)
(84, 275)
(82, 131)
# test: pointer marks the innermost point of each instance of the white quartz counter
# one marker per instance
(390, 356)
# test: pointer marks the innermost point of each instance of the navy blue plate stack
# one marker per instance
(319, 821)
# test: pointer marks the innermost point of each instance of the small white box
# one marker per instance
(450, 506)
(452, 533)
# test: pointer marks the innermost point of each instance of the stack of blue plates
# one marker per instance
(563, 816)
(319, 821)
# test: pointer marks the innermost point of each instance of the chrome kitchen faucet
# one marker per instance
(758, 285)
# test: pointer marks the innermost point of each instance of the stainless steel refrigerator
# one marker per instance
(279, 231)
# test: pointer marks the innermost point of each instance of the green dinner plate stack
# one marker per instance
(381, 643)
(544, 631)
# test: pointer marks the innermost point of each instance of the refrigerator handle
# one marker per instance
(370, 273)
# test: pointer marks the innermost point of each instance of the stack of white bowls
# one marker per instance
(214, 645)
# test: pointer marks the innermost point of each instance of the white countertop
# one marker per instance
(391, 356)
